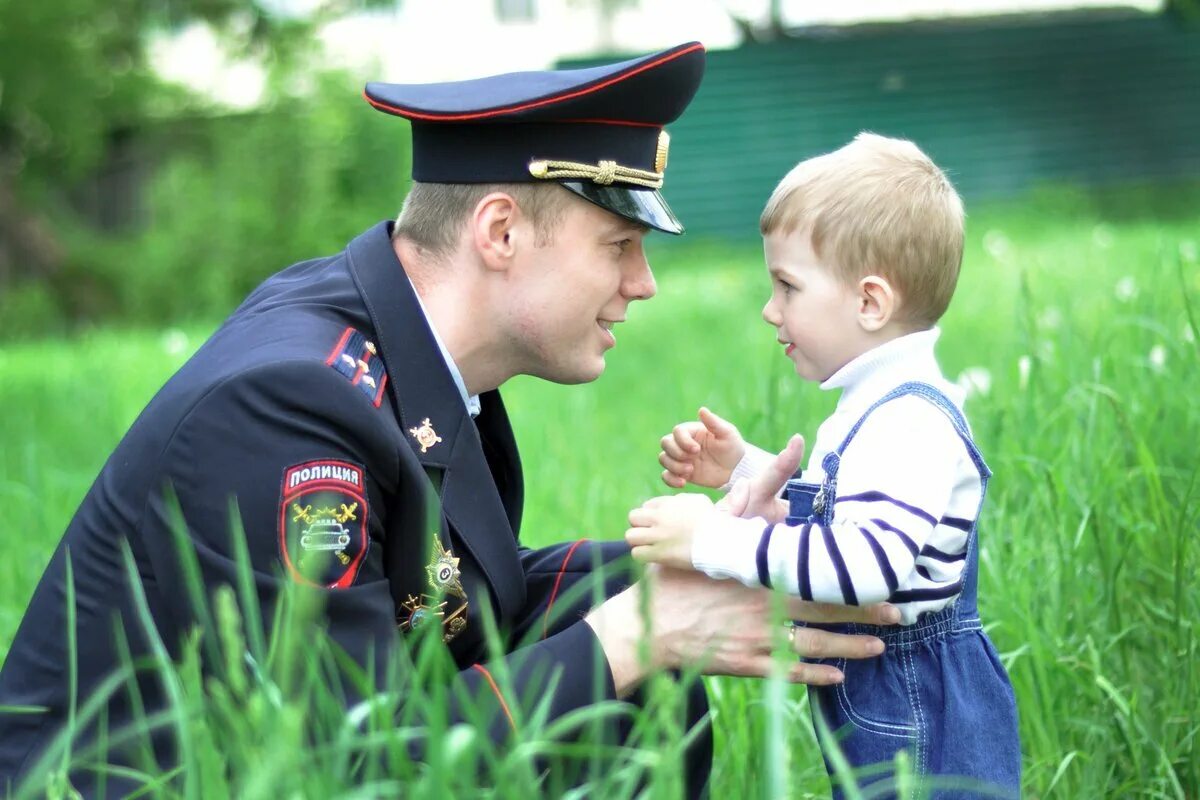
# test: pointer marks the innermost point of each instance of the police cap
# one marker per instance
(596, 131)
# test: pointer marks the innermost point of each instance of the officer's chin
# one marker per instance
(575, 373)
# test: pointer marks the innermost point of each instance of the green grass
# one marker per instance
(1085, 323)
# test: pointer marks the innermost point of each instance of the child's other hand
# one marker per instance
(663, 528)
(703, 453)
(759, 496)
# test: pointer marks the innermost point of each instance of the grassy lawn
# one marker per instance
(1076, 330)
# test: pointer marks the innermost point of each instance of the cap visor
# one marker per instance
(646, 206)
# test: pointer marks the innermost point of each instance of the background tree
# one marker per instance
(75, 86)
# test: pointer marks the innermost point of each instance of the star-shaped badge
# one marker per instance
(443, 571)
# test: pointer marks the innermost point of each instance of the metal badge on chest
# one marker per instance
(444, 582)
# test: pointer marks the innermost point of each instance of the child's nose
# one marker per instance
(769, 314)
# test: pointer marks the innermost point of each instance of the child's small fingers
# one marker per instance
(672, 447)
(680, 468)
(716, 424)
(642, 553)
(655, 502)
(685, 437)
(641, 517)
(635, 537)
(673, 480)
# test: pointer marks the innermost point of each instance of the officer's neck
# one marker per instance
(455, 302)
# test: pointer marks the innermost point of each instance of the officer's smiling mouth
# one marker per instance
(606, 325)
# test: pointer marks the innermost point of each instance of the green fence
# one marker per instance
(1003, 104)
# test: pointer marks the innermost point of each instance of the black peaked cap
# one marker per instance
(596, 131)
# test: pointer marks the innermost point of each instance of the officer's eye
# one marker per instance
(623, 244)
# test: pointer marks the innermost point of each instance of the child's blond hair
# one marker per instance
(877, 206)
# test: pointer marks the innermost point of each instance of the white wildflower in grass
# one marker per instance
(1050, 318)
(1188, 335)
(997, 245)
(1158, 358)
(1102, 237)
(174, 341)
(975, 380)
(1126, 289)
(1024, 367)
(1188, 251)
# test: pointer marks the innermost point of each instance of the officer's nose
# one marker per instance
(638, 283)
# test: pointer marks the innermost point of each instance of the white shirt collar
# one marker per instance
(882, 368)
(472, 402)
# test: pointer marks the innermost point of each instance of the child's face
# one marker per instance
(814, 313)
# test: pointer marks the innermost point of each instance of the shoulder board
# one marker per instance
(356, 358)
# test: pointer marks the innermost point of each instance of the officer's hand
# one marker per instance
(724, 628)
(759, 496)
(703, 452)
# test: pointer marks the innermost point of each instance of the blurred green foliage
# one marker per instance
(212, 201)
(262, 191)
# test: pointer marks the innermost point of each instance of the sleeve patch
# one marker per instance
(357, 358)
(323, 536)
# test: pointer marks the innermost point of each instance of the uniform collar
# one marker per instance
(428, 403)
(472, 402)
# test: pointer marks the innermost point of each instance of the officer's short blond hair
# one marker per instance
(433, 214)
(877, 206)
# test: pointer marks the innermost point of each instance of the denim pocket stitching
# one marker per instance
(914, 691)
(864, 723)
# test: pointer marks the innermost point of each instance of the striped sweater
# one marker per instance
(908, 493)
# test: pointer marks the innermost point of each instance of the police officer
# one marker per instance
(347, 392)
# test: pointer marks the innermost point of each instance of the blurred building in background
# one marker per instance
(1007, 94)
(155, 167)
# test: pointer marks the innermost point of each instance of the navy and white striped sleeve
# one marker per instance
(894, 487)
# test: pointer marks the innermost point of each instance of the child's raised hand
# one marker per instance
(759, 496)
(663, 528)
(703, 452)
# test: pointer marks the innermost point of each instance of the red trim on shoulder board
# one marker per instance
(379, 394)
(495, 112)
(491, 682)
(339, 347)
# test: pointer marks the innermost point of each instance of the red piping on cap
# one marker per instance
(403, 112)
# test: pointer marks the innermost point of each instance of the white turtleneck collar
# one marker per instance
(879, 370)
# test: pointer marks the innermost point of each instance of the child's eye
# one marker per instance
(787, 287)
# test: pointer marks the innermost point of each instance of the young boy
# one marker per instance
(863, 247)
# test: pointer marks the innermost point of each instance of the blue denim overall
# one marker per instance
(939, 691)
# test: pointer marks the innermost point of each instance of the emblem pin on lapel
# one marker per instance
(425, 435)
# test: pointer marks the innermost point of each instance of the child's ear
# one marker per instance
(876, 302)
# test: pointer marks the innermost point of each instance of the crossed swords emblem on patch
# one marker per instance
(445, 581)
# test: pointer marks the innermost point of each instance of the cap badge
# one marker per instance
(660, 155)
(425, 435)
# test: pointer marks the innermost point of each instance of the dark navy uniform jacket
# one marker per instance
(310, 406)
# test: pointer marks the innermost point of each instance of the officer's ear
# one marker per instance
(492, 226)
